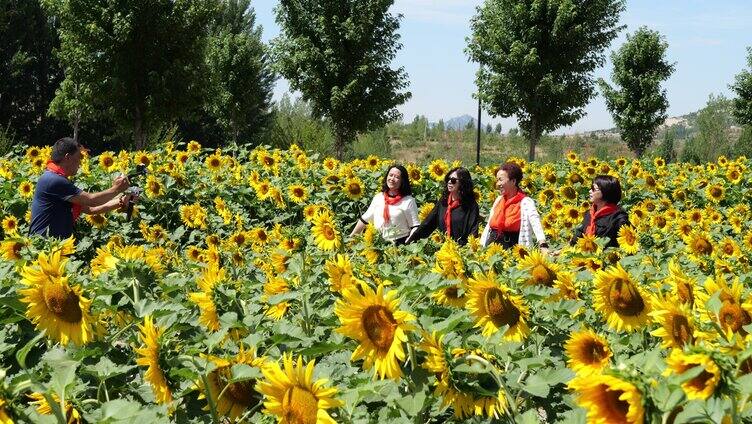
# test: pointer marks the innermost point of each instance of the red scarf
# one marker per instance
(55, 168)
(606, 210)
(451, 204)
(387, 202)
(507, 214)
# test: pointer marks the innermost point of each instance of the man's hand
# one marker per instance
(120, 184)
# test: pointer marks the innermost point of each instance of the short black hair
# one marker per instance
(467, 196)
(62, 147)
(405, 188)
(610, 188)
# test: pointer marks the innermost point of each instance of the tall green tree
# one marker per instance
(29, 72)
(147, 66)
(743, 88)
(637, 103)
(242, 80)
(537, 58)
(338, 53)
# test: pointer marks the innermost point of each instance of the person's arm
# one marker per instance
(487, 229)
(411, 214)
(119, 185)
(116, 203)
(427, 226)
(535, 223)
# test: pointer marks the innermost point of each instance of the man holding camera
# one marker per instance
(58, 202)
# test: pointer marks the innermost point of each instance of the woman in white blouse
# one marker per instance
(513, 218)
(394, 211)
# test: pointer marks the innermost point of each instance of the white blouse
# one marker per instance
(403, 217)
(530, 224)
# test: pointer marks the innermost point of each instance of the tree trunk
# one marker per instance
(339, 145)
(138, 130)
(76, 125)
(534, 138)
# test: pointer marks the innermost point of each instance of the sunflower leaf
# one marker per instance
(244, 372)
(24, 351)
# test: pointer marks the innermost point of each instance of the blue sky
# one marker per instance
(707, 42)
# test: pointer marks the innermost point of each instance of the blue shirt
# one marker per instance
(51, 209)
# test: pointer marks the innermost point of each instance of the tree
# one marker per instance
(712, 139)
(242, 81)
(489, 128)
(638, 104)
(440, 127)
(146, 57)
(337, 54)
(29, 72)
(537, 58)
(666, 149)
(743, 88)
(498, 128)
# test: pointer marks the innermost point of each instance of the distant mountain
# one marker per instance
(459, 122)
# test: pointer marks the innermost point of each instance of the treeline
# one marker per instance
(129, 73)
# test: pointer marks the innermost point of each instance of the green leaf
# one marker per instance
(244, 372)
(24, 351)
(537, 386)
(412, 405)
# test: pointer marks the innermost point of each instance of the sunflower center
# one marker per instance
(716, 192)
(595, 352)
(543, 275)
(702, 246)
(733, 318)
(452, 292)
(300, 406)
(379, 325)
(243, 393)
(63, 302)
(686, 294)
(500, 308)
(328, 232)
(681, 332)
(701, 381)
(618, 408)
(625, 299)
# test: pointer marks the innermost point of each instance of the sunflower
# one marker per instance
(450, 296)
(340, 273)
(588, 352)
(438, 169)
(627, 239)
(232, 399)
(72, 416)
(353, 188)
(415, 174)
(620, 300)
(297, 193)
(733, 315)
(424, 211)
(682, 286)
(608, 399)
(728, 247)
(703, 384)
(4, 417)
(52, 304)
(567, 287)
(193, 216)
(715, 192)
(699, 245)
(154, 187)
(97, 221)
(541, 271)
(26, 189)
(449, 263)
(11, 249)
(10, 224)
(107, 161)
(148, 355)
(587, 244)
(374, 319)
(210, 278)
(495, 307)
(275, 285)
(325, 232)
(677, 327)
(293, 396)
(193, 148)
(461, 398)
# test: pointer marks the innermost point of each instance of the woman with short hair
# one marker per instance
(393, 211)
(456, 213)
(609, 217)
(514, 219)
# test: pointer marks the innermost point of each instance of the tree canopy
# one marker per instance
(743, 88)
(537, 57)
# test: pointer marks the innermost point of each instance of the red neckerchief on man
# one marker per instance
(55, 168)
(390, 201)
(606, 210)
(451, 204)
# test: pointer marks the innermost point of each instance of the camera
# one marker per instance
(134, 190)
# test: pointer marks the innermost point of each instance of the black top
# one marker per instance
(464, 222)
(605, 226)
(51, 209)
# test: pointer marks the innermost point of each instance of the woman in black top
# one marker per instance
(605, 195)
(456, 213)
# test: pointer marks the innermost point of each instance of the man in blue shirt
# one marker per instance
(58, 202)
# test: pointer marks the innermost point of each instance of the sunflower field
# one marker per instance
(234, 295)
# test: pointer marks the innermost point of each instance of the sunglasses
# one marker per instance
(452, 180)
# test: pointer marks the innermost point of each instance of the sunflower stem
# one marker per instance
(136, 294)
(209, 398)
